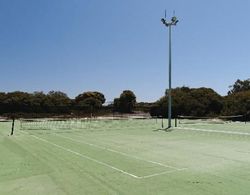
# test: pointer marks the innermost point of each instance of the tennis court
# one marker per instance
(124, 157)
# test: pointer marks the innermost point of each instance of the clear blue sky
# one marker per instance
(113, 45)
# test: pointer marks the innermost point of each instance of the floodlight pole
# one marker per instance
(170, 81)
(170, 24)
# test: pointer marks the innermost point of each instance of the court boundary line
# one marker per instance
(161, 173)
(85, 156)
(213, 131)
(102, 163)
(121, 153)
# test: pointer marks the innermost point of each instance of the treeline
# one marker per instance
(186, 101)
(58, 103)
(205, 102)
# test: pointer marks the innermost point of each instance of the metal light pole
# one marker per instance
(173, 22)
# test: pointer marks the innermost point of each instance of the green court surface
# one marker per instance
(126, 157)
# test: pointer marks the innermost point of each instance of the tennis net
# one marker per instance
(52, 124)
(209, 120)
(86, 124)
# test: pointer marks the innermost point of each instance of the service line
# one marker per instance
(86, 157)
(102, 163)
(121, 153)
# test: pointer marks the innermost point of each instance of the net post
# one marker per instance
(175, 122)
(13, 126)
(21, 124)
(162, 125)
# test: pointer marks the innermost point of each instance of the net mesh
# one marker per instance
(87, 124)
(209, 120)
(53, 124)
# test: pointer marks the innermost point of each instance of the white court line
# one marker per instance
(213, 131)
(121, 153)
(102, 163)
(162, 173)
(87, 157)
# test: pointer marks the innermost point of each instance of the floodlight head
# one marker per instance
(164, 22)
(174, 19)
(175, 22)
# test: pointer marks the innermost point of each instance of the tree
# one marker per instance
(116, 105)
(239, 85)
(189, 101)
(206, 102)
(38, 101)
(91, 94)
(160, 107)
(57, 102)
(237, 103)
(89, 101)
(126, 102)
(2, 105)
(17, 102)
